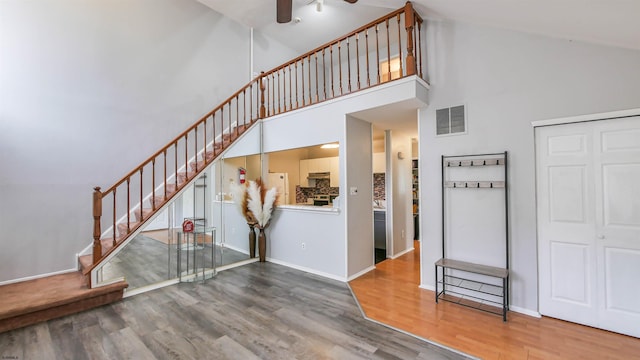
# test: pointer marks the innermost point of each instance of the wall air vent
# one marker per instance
(451, 121)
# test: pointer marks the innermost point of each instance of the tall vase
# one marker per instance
(262, 245)
(252, 241)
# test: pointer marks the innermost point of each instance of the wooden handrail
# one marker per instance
(179, 137)
(270, 93)
(342, 38)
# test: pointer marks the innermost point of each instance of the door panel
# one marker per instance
(588, 183)
(621, 140)
(569, 269)
(619, 182)
(566, 221)
(567, 145)
(617, 231)
(622, 290)
(567, 194)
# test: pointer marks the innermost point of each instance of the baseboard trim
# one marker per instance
(144, 289)
(236, 264)
(524, 311)
(305, 269)
(357, 275)
(402, 253)
(226, 246)
(427, 287)
(37, 276)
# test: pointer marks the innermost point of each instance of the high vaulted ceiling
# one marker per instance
(608, 22)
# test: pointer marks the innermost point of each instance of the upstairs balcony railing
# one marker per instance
(386, 49)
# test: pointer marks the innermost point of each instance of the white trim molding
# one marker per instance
(524, 311)
(587, 117)
(358, 274)
(402, 253)
(427, 287)
(305, 269)
(27, 278)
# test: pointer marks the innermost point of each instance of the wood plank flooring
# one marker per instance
(145, 260)
(390, 294)
(260, 310)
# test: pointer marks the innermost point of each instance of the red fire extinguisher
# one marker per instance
(243, 174)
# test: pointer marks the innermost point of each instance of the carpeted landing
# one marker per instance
(33, 301)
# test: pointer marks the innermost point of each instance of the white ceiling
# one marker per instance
(607, 22)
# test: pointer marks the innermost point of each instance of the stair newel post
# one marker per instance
(97, 214)
(409, 22)
(263, 110)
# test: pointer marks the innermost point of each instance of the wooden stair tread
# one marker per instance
(87, 260)
(123, 230)
(85, 263)
(146, 212)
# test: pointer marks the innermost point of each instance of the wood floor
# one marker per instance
(260, 310)
(390, 294)
(148, 260)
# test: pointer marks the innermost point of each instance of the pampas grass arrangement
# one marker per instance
(256, 203)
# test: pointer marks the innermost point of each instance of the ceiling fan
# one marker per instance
(284, 9)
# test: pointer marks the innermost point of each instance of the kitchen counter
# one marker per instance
(309, 207)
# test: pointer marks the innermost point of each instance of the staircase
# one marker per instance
(168, 189)
(359, 60)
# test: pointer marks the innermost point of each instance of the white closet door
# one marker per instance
(588, 178)
(617, 183)
(566, 222)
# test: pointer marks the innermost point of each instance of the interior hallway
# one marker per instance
(390, 294)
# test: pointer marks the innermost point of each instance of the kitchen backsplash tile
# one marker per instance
(323, 186)
(378, 186)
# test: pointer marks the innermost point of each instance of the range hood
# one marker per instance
(318, 175)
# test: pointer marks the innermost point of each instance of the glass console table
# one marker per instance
(196, 250)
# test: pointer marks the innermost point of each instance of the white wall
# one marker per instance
(327, 232)
(360, 253)
(269, 53)
(322, 234)
(507, 79)
(87, 94)
(399, 204)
